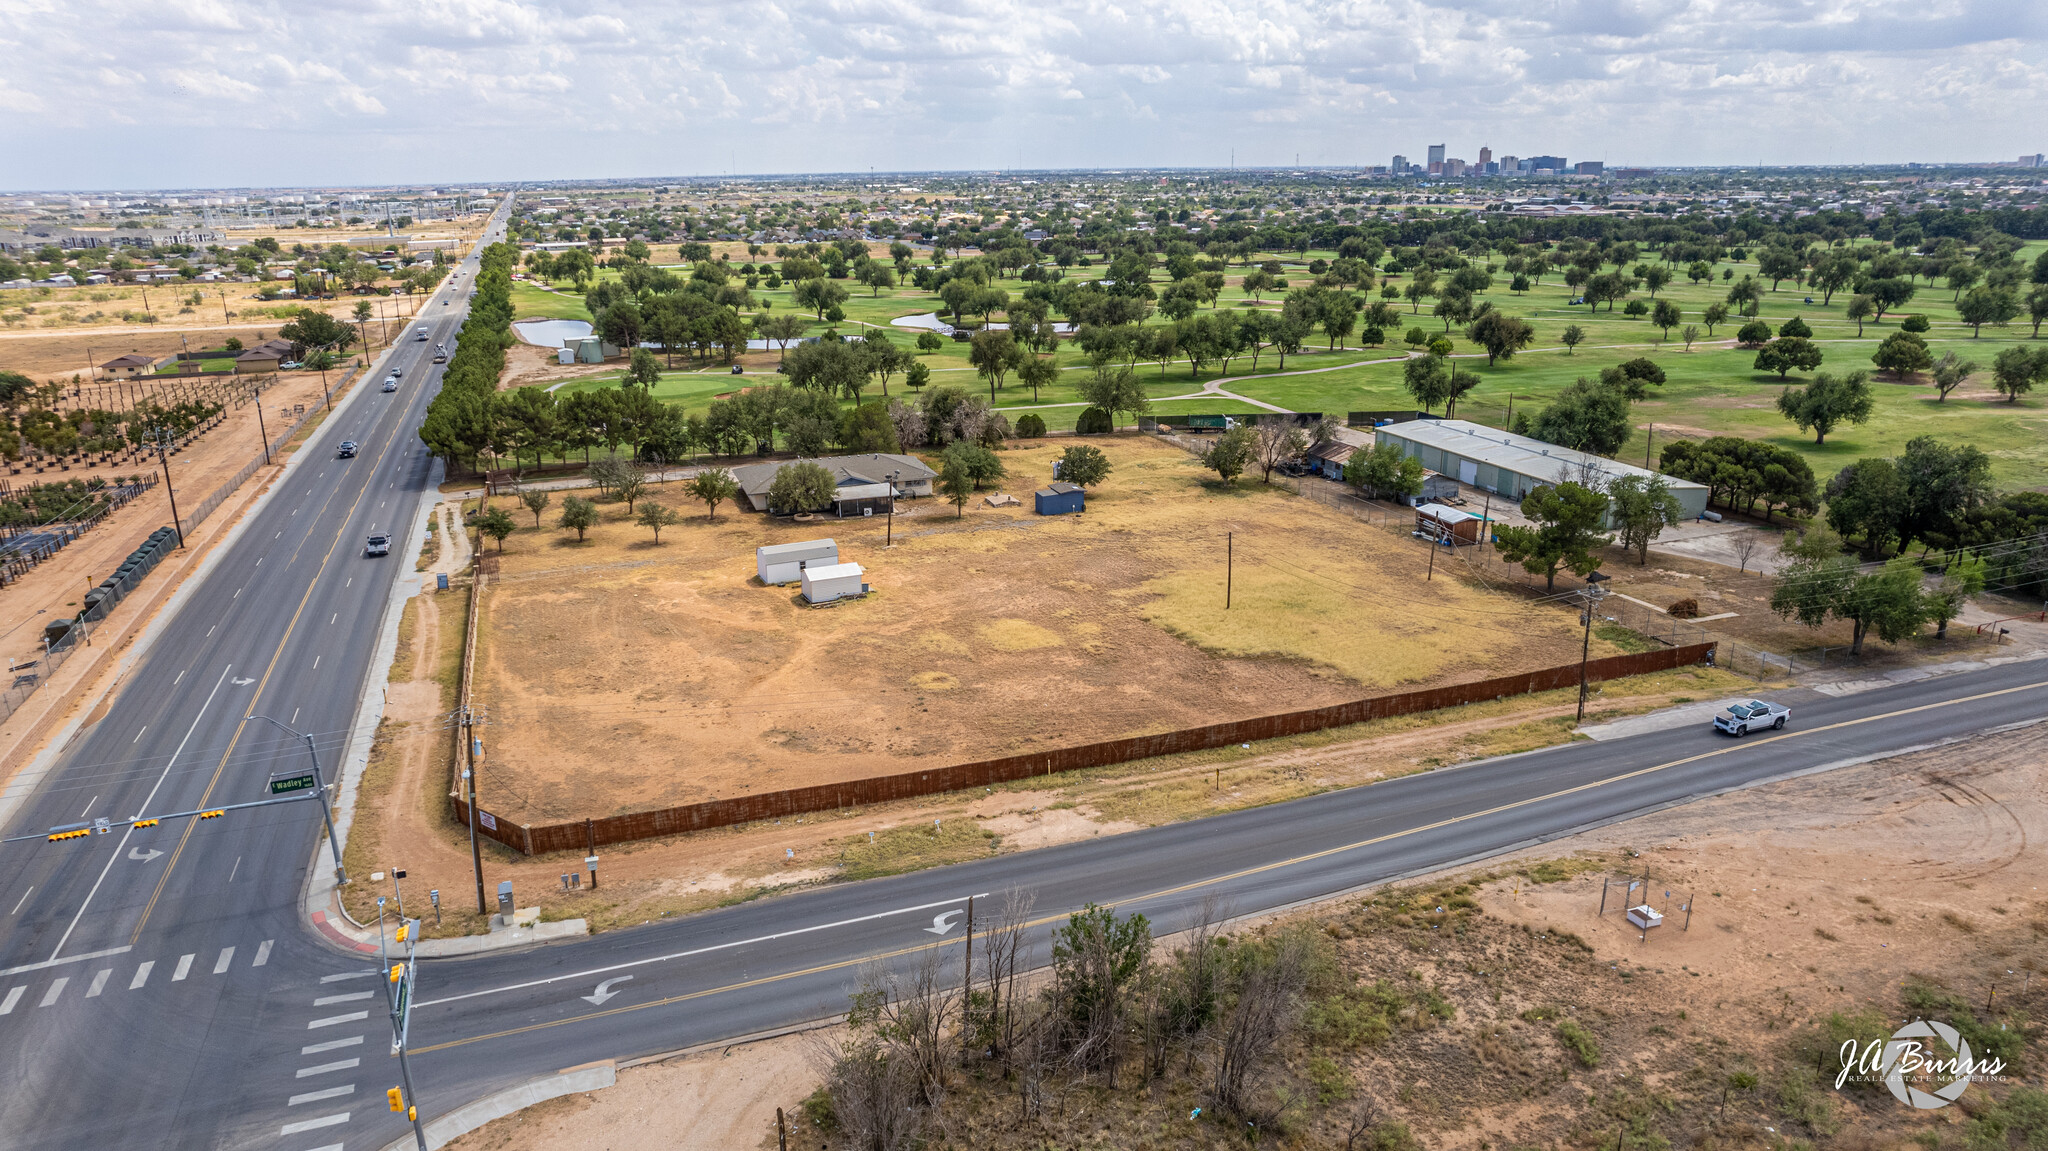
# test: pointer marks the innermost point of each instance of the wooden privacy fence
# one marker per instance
(585, 834)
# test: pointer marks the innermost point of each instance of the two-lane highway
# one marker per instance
(141, 970)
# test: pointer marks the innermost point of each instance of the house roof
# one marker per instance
(1058, 488)
(1442, 514)
(831, 571)
(1333, 451)
(801, 550)
(131, 360)
(755, 479)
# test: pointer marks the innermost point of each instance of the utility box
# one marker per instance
(505, 900)
(785, 563)
(1645, 916)
(828, 582)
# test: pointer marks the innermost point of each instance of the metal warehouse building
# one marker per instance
(1512, 465)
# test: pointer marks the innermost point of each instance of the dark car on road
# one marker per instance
(347, 450)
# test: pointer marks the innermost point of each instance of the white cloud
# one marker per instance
(128, 92)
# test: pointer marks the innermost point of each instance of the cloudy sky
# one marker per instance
(209, 93)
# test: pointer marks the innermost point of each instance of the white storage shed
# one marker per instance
(785, 563)
(824, 583)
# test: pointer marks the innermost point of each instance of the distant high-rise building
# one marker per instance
(1591, 167)
(1510, 165)
(1543, 163)
(1485, 156)
(2033, 161)
(1453, 167)
(1436, 159)
(1400, 165)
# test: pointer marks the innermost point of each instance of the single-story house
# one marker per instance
(129, 366)
(1513, 466)
(865, 483)
(1328, 458)
(1438, 522)
(264, 357)
(785, 563)
(829, 582)
(1059, 499)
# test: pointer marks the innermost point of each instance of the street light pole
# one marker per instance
(401, 1011)
(1593, 594)
(891, 542)
(320, 788)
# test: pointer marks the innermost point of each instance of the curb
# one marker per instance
(461, 1121)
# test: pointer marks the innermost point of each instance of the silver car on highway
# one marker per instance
(1751, 715)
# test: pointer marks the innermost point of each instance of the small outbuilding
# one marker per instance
(785, 563)
(1061, 499)
(827, 582)
(1437, 522)
(1436, 488)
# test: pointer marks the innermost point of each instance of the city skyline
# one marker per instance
(225, 93)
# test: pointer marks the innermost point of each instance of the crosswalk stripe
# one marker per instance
(347, 975)
(314, 1124)
(56, 989)
(141, 975)
(227, 956)
(99, 983)
(334, 1019)
(13, 997)
(351, 997)
(329, 1147)
(324, 1068)
(331, 1045)
(262, 954)
(317, 1096)
(184, 968)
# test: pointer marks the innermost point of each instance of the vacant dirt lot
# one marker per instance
(622, 675)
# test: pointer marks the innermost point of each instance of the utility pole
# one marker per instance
(162, 436)
(1229, 566)
(1650, 438)
(468, 718)
(1593, 594)
(261, 429)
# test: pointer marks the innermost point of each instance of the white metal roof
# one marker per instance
(831, 571)
(1545, 463)
(1442, 514)
(801, 550)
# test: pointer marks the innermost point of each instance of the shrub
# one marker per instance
(1579, 1041)
(1687, 608)
(1093, 422)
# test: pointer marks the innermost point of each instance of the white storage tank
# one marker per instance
(827, 582)
(784, 563)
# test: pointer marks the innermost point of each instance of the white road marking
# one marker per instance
(141, 856)
(13, 997)
(316, 662)
(56, 989)
(88, 956)
(324, 1068)
(329, 1147)
(184, 968)
(237, 595)
(209, 631)
(295, 715)
(181, 675)
(331, 1045)
(351, 580)
(334, 1019)
(99, 982)
(138, 735)
(259, 561)
(348, 975)
(332, 618)
(351, 997)
(262, 953)
(236, 868)
(147, 800)
(317, 1096)
(314, 1124)
(141, 975)
(96, 799)
(22, 900)
(227, 956)
(578, 977)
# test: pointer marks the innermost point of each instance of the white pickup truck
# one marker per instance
(1751, 715)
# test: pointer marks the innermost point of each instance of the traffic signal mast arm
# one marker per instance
(78, 830)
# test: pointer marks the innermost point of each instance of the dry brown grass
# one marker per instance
(624, 675)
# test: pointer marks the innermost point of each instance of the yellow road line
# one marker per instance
(264, 682)
(1264, 867)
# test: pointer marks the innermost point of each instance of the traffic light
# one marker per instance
(145, 823)
(396, 1097)
(72, 834)
(403, 931)
(397, 972)
(211, 814)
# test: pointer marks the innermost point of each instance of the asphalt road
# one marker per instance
(155, 983)
(161, 988)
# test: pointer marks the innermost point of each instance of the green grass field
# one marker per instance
(1712, 390)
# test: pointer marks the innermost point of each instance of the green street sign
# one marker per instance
(286, 783)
